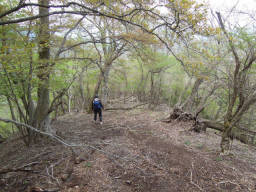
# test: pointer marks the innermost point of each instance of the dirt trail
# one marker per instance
(130, 152)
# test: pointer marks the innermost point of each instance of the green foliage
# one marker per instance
(187, 143)
(62, 74)
(88, 164)
(175, 79)
(210, 110)
(144, 63)
(6, 129)
(219, 158)
(200, 146)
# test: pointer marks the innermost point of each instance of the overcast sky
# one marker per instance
(224, 7)
(227, 4)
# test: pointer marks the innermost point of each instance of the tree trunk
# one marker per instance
(103, 78)
(41, 118)
(105, 84)
(81, 90)
(69, 100)
(152, 91)
(97, 87)
(187, 106)
(225, 143)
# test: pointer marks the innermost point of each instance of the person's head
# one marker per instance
(96, 96)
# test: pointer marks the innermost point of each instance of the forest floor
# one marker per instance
(131, 152)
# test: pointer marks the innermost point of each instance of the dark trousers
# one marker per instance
(97, 111)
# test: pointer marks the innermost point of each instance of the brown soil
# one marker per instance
(130, 152)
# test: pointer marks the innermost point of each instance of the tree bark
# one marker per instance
(41, 118)
(239, 102)
(105, 89)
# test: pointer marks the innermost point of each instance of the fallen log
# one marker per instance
(243, 135)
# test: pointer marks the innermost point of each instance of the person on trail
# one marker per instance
(97, 108)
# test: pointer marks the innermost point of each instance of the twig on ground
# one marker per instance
(60, 140)
(51, 175)
(191, 178)
(224, 182)
(20, 169)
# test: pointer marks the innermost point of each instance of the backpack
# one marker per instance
(96, 104)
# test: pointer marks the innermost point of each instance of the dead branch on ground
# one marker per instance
(128, 108)
(22, 168)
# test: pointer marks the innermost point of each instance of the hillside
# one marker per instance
(131, 151)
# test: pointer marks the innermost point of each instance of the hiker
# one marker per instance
(97, 108)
